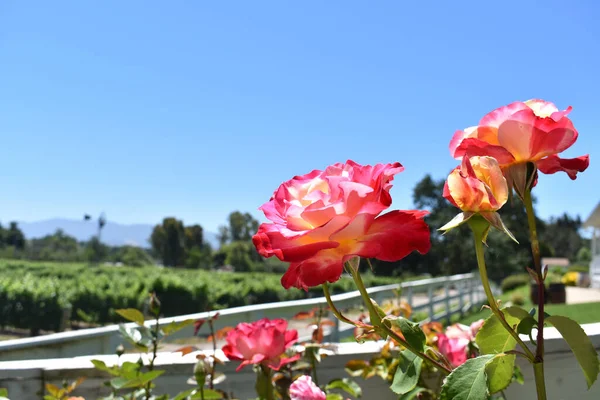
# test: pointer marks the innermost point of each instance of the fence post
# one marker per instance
(461, 303)
(335, 333)
(409, 296)
(471, 298)
(430, 297)
(448, 309)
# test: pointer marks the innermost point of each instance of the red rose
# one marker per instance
(262, 342)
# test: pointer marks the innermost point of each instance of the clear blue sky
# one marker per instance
(145, 109)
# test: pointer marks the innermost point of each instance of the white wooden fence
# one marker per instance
(439, 298)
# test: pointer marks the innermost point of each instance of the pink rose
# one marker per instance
(322, 219)
(303, 388)
(262, 342)
(455, 349)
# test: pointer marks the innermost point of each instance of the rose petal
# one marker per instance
(571, 166)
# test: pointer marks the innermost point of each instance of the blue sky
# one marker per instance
(145, 109)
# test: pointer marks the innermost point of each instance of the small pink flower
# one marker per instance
(262, 342)
(454, 349)
(303, 388)
(455, 341)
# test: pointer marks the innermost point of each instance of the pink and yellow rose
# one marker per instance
(324, 218)
(521, 132)
(477, 186)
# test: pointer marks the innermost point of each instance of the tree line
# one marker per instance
(173, 244)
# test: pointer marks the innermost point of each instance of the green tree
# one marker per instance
(14, 237)
(133, 256)
(56, 247)
(584, 255)
(238, 256)
(242, 226)
(95, 251)
(194, 236)
(223, 235)
(168, 242)
(452, 253)
(562, 235)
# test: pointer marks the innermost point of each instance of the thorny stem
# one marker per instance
(313, 360)
(214, 343)
(154, 351)
(538, 366)
(378, 323)
(334, 310)
(478, 230)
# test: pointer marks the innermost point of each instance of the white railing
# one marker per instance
(439, 298)
(25, 379)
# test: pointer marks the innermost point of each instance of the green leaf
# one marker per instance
(119, 382)
(131, 314)
(526, 326)
(518, 375)
(516, 312)
(407, 374)
(334, 396)
(411, 331)
(468, 381)
(580, 344)
(176, 326)
(347, 385)
(131, 334)
(101, 366)
(150, 375)
(412, 394)
(3, 392)
(500, 371)
(493, 338)
(184, 395)
(209, 394)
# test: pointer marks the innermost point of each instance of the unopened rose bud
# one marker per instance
(154, 304)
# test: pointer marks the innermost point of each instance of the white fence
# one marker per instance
(439, 298)
(26, 379)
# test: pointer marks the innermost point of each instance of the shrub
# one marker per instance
(34, 294)
(580, 268)
(514, 281)
(517, 299)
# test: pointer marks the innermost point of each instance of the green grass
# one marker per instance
(583, 313)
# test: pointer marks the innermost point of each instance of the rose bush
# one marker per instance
(531, 131)
(262, 342)
(324, 218)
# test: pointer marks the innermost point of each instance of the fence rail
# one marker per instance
(440, 298)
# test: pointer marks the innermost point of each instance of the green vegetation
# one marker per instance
(514, 281)
(33, 295)
(583, 313)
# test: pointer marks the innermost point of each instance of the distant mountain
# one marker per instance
(113, 234)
